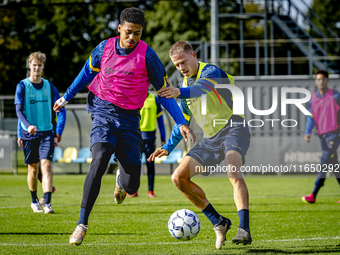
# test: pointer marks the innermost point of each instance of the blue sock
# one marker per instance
(84, 216)
(34, 196)
(214, 217)
(48, 196)
(243, 216)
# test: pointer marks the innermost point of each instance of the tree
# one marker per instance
(65, 33)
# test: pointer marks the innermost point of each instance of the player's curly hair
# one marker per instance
(132, 15)
(180, 46)
(38, 56)
(325, 73)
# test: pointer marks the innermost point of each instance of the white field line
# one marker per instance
(171, 243)
(167, 201)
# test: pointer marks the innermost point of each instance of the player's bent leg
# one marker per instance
(181, 178)
(129, 176)
(233, 162)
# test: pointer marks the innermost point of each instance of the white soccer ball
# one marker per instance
(184, 224)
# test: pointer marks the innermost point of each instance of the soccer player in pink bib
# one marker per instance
(119, 71)
(324, 106)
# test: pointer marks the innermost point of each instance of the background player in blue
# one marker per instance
(151, 111)
(61, 119)
(325, 108)
(34, 99)
(228, 142)
(119, 71)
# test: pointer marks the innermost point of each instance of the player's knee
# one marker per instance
(236, 180)
(132, 188)
(177, 180)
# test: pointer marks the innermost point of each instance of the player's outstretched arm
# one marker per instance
(185, 131)
(158, 153)
(170, 91)
(59, 104)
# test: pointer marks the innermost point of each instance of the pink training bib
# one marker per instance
(324, 112)
(122, 80)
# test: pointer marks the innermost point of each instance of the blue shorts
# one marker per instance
(212, 151)
(117, 126)
(39, 148)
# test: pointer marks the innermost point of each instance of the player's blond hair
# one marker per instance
(180, 46)
(38, 56)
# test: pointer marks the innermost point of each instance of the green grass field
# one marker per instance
(280, 222)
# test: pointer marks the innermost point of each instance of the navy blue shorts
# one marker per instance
(212, 151)
(39, 148)
(117, 126)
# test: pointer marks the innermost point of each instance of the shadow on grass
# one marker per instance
(95, 234)
(321, 250)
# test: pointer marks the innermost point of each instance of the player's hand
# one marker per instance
(162, 142)
(169, 92)
(307, 138)
(55, 141)
(60, 103)
(20, 143)
(59, 138)
(186, 130)
(158, 153)
(32, 129)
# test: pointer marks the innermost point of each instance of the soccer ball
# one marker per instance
(184, 224)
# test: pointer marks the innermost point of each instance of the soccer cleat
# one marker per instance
(36, 207)
(42, 201)
(338, 202)
(309, 199)
(78, 234)
(120, 193)
(242, 236)
(48, 209)
(151, 194)
(134, 195)
(221, 230)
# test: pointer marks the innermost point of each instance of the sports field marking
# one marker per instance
(170, 201)
(173, 243)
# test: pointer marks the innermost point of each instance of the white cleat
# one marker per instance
(119, 194)
(221, 231)
(78, 234)
(48, 209)
(36, 207)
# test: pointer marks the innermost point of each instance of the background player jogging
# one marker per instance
(325, 108)
(34, 99)
(119, 71)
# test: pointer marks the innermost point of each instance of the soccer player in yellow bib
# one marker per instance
(149, 115)
(228, 142)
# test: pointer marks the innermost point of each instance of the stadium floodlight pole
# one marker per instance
(214, 31)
